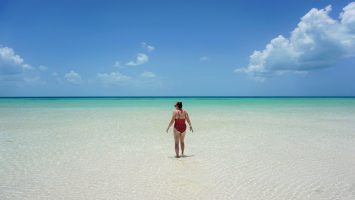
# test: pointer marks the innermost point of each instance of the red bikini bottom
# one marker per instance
(180, 125)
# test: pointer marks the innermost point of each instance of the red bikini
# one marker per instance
(180, 125)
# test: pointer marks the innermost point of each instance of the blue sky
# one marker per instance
(177, 47)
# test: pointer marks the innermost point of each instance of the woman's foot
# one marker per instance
(177, 156)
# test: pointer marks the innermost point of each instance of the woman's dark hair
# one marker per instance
(179, 104)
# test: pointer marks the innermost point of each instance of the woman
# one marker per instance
(179, 117)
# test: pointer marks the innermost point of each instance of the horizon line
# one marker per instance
(189, 96)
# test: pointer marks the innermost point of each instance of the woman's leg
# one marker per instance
(176, 139)
(182, 137)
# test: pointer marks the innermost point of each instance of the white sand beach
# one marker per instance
(119, 150)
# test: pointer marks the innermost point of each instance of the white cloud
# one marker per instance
(73, 77)
(117, 64)
(148, 47)
(11, 63)
(57, 78)
(112, 78)
(348, 16)
(148, 75)
(317, 42)
(204, 58)
(140, 59)
(13, 68)
(42, 68)
(8, 55)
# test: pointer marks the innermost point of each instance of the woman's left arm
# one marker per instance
(188, 121)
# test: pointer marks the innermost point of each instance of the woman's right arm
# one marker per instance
(171, 121)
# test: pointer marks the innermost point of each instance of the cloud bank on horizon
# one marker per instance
(318, 41)
(14, 70)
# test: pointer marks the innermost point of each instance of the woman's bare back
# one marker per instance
(180, 114)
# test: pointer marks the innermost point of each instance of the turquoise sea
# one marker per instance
(117, 148)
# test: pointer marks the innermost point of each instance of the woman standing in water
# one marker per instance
(179, 117)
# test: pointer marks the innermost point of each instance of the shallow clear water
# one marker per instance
(117, 148)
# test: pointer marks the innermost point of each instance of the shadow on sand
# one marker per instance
(184, 156)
